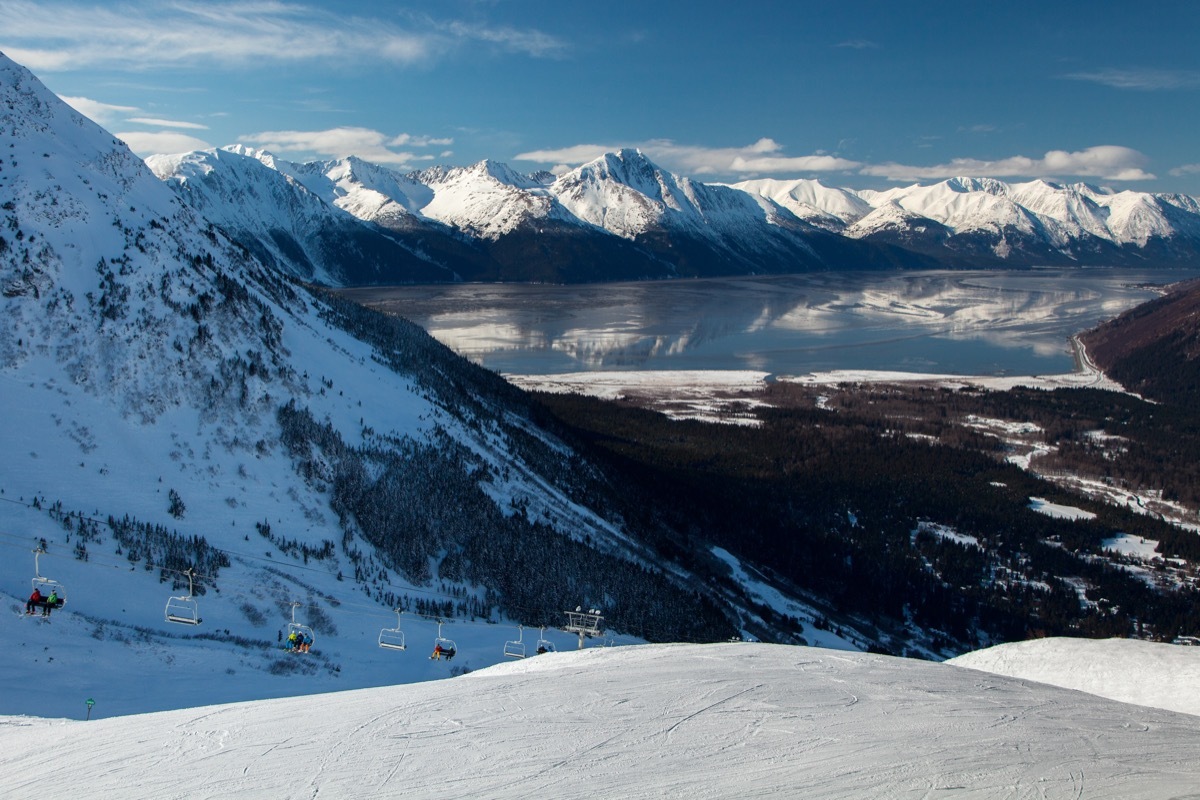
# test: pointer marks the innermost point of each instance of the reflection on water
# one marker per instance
(966, 323)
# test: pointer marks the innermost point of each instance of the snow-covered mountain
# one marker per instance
(289, 227)
(810, 200)
(619, 217)
(715, 721)
(982, 221)
(622, 216)
(172, 403)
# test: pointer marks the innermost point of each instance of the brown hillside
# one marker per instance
(1153, 348)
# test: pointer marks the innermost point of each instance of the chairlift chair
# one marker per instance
(183, 610)
(544, 645)
(516, 648)
(302, 631)
(446, 646)
(47, 586)
(392, 638)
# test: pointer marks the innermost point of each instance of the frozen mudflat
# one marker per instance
(695, 721)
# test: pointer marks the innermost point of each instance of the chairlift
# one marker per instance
(47, 586)
(544, 645)
(183, 610)
(393, 638)
(303, 632)
(443, 647)
(584, 623)
(516, 648)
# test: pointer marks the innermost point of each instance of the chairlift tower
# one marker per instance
(584, 623)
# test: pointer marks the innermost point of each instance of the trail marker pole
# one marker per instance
(90, 703)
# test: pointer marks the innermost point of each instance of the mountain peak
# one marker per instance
(503, 173)
(985, 185)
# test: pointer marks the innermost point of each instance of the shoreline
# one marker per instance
(721, 384)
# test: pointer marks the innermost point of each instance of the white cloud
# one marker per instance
(148, 35)
(368, 144)
(406, 139)
(575, 154)
(1109, 162)
(37, 59)
(530, 42)
(815, 163)
(1186, 169)
(760, 157)
(1140, 78)
(148, 143)
(97, 111)
(166, 123)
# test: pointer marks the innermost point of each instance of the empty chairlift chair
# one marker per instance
(516, 647)
(183, 610)
(392, 638)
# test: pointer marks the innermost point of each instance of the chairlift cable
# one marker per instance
(283, 566)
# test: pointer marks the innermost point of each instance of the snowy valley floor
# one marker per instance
(725, 395)
(702, 721)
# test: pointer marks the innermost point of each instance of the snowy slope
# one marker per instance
(811, 201)
(1128, 670)
(288, 226)
(665, 721)
(627, 194)
(365, 190)
(170, 401)
(489, 200)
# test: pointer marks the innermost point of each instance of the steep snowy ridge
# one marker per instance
(268, 208)
(489, 200)
(366, 190)
(627, 194)
(170, 402)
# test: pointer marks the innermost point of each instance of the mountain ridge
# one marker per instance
(621, 217)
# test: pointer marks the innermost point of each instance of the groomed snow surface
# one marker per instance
(1147, 673)
(695, 721)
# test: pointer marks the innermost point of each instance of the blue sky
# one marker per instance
(864, 95)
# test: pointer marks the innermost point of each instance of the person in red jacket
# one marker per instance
(34, 600)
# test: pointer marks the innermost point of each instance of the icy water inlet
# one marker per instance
(1009, 322)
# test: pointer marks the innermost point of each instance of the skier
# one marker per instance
(34, 601)
(51, 603)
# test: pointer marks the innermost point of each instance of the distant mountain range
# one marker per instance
(350, 222)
